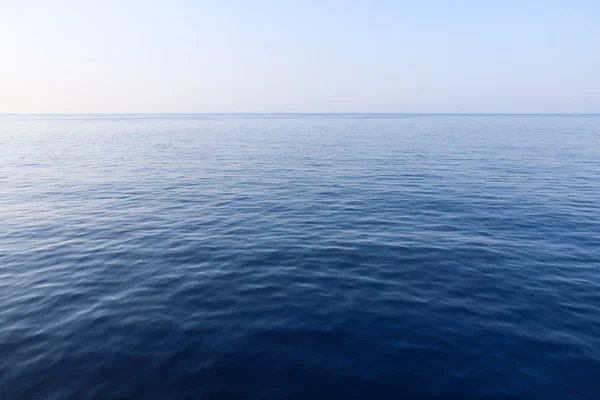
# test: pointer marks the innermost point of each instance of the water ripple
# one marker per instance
(237, 257)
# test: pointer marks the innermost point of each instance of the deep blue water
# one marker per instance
(300, 257)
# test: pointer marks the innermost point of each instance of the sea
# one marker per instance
(299, 256)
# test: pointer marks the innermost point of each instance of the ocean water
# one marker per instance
(300, 257)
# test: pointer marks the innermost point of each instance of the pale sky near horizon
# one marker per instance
(300, 56)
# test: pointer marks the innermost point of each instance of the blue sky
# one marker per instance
(300, 56)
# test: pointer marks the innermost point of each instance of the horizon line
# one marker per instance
(300, 113)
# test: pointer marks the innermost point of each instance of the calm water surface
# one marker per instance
(300, 257)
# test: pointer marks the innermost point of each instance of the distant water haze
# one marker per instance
(310, 56)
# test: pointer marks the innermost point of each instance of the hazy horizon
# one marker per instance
(308, 113)
(184, 57)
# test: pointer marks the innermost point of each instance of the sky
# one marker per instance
(454, 56)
